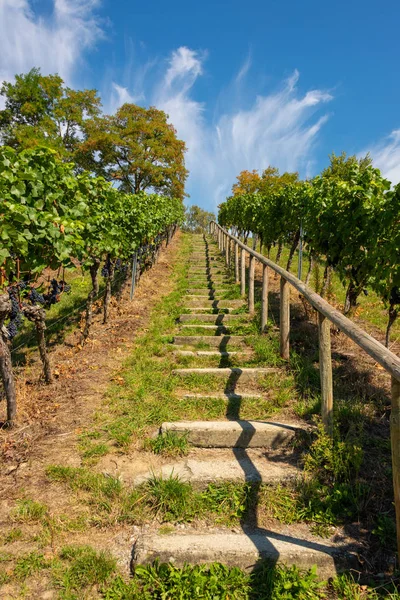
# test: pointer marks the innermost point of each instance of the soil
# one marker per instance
(51, 417)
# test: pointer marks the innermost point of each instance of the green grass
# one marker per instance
(169, 443)
(29, 511)
(370, 309)
(61, 317)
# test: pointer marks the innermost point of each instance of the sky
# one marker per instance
(246, 84)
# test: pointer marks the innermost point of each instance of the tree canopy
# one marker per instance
(138, 148)
(41, 111)
(197, 219)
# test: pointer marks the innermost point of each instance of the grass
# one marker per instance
(169, 444)
(61, 317)
(370, 310)
(28, 510)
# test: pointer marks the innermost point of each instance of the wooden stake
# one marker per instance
(237, 280)
(264, 299)
(243, 273)
(284, 319)
(395, 440)
(325, 370)
(251, 284)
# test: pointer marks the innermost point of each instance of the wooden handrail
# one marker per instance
(326, 313)
(387, 359)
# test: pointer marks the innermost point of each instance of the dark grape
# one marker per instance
(15, 315)
(35, 297)
(105, 271)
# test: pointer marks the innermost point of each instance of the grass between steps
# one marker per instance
(81, 572)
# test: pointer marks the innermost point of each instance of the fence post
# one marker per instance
(243, 272)
(284, 319)
(227, 244)
(134, 267)
(264, 299)
(251, 284)
(325, 370)
(236, 262)
(395, 440)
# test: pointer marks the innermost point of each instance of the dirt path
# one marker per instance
(51, 417)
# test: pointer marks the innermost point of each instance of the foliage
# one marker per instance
(41, 111)
(197, 219)
(136, 147)
(349, 215)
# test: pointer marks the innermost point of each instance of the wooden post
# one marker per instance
(251, 284)
(395, 440)
(243, 272)
(227, 244)
(325, 371)
(264, 299)
(237, 280)
(284, 319)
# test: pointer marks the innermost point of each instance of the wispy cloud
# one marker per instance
(278, 129)
(386, 156)
(54, 43)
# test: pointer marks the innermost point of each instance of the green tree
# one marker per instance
(138, 148)
(41, 111)
(197, 219)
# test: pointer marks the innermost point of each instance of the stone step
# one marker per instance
(215, 341)
(217, 303)
(233, 374)
(246, 549)
(215, 311)
(211, 318)
(237, 302)
(234, 434)
(229, 396)
(207, 290)
(220, 328)
(220, 353)
(204, 466)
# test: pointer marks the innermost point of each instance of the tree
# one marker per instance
(250, 182)
(341, 166)
(41, 111)
(197, 219)
(138, 148)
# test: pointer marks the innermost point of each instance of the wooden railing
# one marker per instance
(326, 315)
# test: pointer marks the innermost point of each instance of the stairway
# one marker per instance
(234, 449)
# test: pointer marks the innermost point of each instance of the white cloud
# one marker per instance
(278, 129)
(119, 96)
(386, 156)
(54, 43)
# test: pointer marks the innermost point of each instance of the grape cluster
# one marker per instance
(121, 266)
(15, 315)
(105, 271)
(56, 289)
(35, 297)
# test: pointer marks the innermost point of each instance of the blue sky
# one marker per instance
(246, 84)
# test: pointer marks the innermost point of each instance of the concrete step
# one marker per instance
(214, 303)
(215, 311)
(228, 396)
(207, 290)
(204, 466)
(215, 341)
(234, 434)
(221, 353)
(220, 303)
(233, 374)
(220, 328)
(217, 319)
(246, 549)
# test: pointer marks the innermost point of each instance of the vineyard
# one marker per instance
(192, 420)
(347, 219)
(52, 219)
